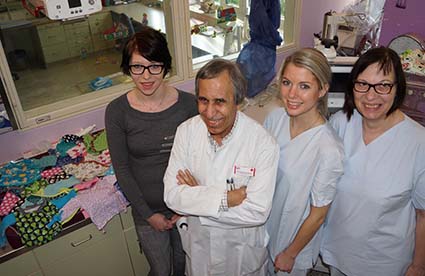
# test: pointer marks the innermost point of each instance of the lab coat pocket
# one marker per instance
(241, 181)
(182, 226)
(246, 259)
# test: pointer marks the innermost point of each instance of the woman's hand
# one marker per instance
(159, 222)
(284, 262)
(186, 178)
(415, 270)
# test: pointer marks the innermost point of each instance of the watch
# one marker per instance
(407, 41)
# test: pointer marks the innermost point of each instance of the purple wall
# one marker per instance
(400, 21)
(312, 14)
(14, 144)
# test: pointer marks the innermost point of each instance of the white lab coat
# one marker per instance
(310, 166)
(370, 229)
(217, 242)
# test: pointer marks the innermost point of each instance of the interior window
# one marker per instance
(51, 69)
(53, 61)
(221, 28)
(232, 2)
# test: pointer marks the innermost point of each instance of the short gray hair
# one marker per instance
(214, 68)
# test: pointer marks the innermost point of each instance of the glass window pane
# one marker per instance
(233, 2)
(53, 61)
(222, 30)
(217, 30)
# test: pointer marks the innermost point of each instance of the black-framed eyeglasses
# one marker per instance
(380, 88)
(154, 69)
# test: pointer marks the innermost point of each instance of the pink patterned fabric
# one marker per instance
(78, 150)
(51, 172)
(102, 202)
(104, 158)
(9, 201)
(86, 185)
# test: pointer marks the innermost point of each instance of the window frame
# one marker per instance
(182, 67)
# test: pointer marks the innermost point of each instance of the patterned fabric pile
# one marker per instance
(39, 195)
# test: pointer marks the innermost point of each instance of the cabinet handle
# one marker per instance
(409, 92)
(75, 244)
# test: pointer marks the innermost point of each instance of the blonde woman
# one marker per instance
(311, 162)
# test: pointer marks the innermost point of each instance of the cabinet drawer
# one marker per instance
(87, 251)
(77, 32)
(74, 25)
(51, 34)
(138, 259)
(99, 43)
(55, 52)
(75, 242)
(20, 14)
(100, 22)
(81, 41)
(22, 265)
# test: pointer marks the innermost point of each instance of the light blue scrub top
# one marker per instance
(370, 228)
(310, 165)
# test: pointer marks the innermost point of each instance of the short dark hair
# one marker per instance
(149, 43)
(388, 60)
(215, 67)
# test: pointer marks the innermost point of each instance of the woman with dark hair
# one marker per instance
(140, 127)
(376, 224)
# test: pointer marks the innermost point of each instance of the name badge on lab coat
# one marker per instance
(243, 170)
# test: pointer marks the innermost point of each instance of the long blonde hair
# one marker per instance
(314, 61)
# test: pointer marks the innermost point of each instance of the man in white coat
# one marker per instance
(221, 178)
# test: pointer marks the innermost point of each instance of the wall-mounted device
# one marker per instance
(62, 9)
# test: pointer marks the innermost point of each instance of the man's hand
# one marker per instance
(185, 177)
(235, 197)
(159, 222)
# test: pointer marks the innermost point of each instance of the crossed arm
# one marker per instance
(234, 197)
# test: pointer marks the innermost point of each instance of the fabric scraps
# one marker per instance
(20, 173)
(8, 203)
(103, 158)
(103, 201)
(85, 170)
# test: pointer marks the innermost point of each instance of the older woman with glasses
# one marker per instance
(140, 127)
(376, 224)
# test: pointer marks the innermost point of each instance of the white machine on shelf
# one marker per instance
(341, 28)
(63, 9)
(341, 68)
